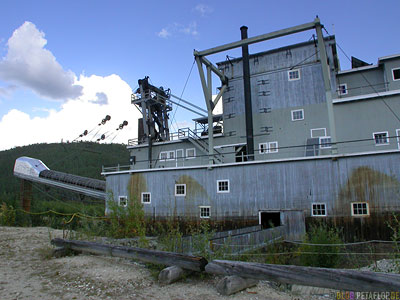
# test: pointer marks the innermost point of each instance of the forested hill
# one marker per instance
(82, 158)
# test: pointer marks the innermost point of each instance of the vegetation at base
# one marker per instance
(394, 226)
(7, 215)
(321, 256)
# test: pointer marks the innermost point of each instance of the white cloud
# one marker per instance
(29, 64)
(203, 9)
(176, 29)
(87, 99)
(18, 128)
(191, 29)
(164, 33)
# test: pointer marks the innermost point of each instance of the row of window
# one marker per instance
(317, 209)
(146, 199)
(357, 209)
(382, 138)
(342, 88)
(176, 154)
(271, 147)
(180, 190)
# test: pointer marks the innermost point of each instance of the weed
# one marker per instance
(394, 226)
(321, 256)
(7, 215)
(45, 252)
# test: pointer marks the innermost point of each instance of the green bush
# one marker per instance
(321, 256)
(394, 226)
(126, 222)
(7, 215)
(170, 237)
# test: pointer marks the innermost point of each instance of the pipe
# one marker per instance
(247, 96)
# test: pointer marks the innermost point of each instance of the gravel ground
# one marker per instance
(27, 271)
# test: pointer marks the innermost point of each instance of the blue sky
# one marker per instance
(55, 68)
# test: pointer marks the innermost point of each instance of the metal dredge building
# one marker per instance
(299, 139)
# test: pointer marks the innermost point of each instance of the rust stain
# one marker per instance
(137, 185)
(195, 193)
(193, 188)
(365, 185)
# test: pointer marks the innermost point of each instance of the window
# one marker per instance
(190, 153)
(163, 155)
(398, 138)
(263, 148)
(381, 138)
(325, 142)
(271, 147)
(318, 209)
(205, 212)
(359, 209)
(180, 189)
(179, 153)
(396, 74)
(222, 186)
(318, 132)
(171, 155)
(298, 115)
(146, 198)
(294, 75)
(342, 90)
(123, 201)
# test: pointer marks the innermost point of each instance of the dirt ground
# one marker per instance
(27, 271)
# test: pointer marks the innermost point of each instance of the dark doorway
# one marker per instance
(270, 219)
(240, 153)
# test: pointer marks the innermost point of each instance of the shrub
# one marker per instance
(394, 226)
(127, 222)
(321, 256)
(7, 215)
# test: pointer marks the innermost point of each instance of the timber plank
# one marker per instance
(188, 262)
(339, 279)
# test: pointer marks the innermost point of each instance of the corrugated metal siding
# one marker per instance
(271, 186)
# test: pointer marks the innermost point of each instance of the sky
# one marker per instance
(65, 65)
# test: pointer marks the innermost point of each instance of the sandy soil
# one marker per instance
(27, 271)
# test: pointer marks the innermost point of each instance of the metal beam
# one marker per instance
(327, 85)
(74, 188)
(259, 38)
(203, 80)
(221, 75)
(187, 102)
(185, 107)
(221, 92)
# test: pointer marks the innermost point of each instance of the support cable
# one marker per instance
(184, 87)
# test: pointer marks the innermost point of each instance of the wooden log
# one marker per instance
(171, 274)
(60, 252)
(188, 262)
(233, 284)
(350, 280)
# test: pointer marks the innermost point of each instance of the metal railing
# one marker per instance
(182, 133)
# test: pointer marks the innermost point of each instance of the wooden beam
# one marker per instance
(172, 274)
(187, 262)
(348, 280)
(233, 284)
(259, 38)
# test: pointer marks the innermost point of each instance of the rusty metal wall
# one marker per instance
(269, 186)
